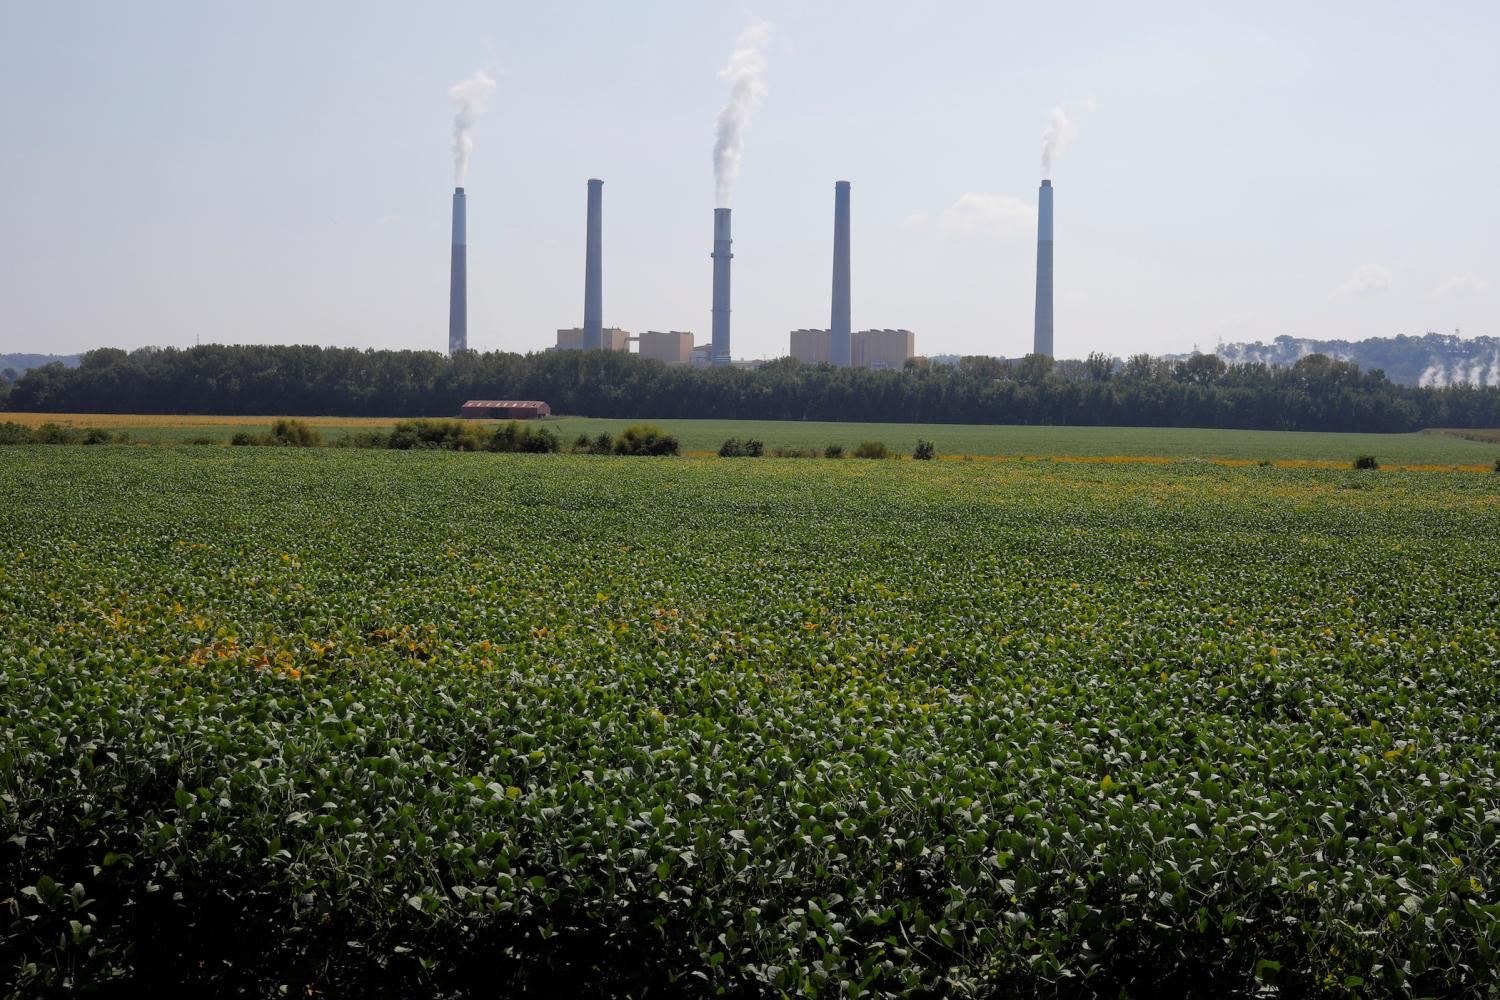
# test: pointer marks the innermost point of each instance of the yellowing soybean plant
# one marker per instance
(393, 724)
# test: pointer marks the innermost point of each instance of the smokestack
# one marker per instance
(838, 327)
(1043, 339)
(458, 283)
(722, 257)
(593, 277)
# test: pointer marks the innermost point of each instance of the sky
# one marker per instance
(282, 172)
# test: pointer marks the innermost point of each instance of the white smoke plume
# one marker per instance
(1434, 376)
(1058, 133)
(1494, 375)
(745, 72)
(469, 99)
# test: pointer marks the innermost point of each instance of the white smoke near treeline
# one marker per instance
(469, 99)
(745, 72)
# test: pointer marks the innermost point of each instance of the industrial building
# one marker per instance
(840, 346)
(882, 348)
(878, 349)
(811, 346)
(611, 339)
(673, 348)
(505, 409)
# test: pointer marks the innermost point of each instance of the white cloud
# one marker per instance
(1461, 284)
(976, 213)
(1368, 280)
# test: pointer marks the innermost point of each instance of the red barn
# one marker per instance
(505, 409)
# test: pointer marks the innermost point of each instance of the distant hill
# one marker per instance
(1435, 359)
(20, 362)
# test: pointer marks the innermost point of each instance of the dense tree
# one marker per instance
(1317, 393)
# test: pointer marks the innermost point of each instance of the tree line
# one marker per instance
(1316, 393)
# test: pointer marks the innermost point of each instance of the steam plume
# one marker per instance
(745, 72)
(1060, 131)
(469, 98)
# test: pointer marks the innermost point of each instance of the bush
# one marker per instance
(645, 439)
(243, 438)
(193, 440)
(97, 435)
(872, 449)
(363, 439)
(14, 433)
(601, 445)
(1366, 462)
(293, 434)
(834, 451)
(735, 448)
(794, 453)
(444, 435)
(515, 437)
(1497, 465)
(925, 451)
(50, 433)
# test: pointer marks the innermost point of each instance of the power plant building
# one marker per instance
(839, 346)
(611, 339)
(673, 348)
(876, 349)
(882, 349)
(811, 347)
(720, 314)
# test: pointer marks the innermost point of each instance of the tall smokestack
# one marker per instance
(593, 272)
(458, 282)
(1043, 340)
(838, 327)
(722, 257)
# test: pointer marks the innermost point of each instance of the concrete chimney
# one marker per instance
(458, 281)
(838, 327)
(722, 257)
(593, 268)
(1043, 340)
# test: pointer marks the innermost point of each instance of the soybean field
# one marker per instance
(335, 722)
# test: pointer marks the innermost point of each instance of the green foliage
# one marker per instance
(444, 435)
(735, 448)
(1366, 462)
(14, 433)
(1315, 393)
(518, 437)
(601, 444)
(795, 453)
(645, 439)
(925, 451)
(834, 451)
(972, 729)
(1497, 465)
(871, 449)
(294, 433)
(50, 433)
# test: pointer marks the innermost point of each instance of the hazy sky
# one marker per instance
(282, 172)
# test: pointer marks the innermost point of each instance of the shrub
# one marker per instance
(1264, 463)
(446, 435)
(1366, 462)
(735, 448)
(14, 433)
(925, 451)
(645, 439)
(1497, 465)
(871, 449)
(50, 433)
(293, 433)
(794, 453)
(834, 451)
(97, 435)
(243, 438)
(601, 445)
(193, 440)
(515, 437)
